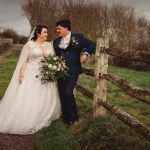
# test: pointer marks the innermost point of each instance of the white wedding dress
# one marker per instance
(27, 107)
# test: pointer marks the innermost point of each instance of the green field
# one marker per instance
(2, 50)
(101, 133)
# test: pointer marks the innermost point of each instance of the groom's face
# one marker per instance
(62, 31)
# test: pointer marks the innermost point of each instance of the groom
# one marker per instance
(70, 45)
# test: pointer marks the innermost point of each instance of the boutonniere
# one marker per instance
(74, 41)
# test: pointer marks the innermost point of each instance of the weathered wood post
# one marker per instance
(101, 65)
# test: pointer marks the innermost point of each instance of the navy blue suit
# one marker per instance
(78, 44)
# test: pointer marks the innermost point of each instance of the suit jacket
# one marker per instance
(78, 44)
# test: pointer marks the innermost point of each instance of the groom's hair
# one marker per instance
(64, 23)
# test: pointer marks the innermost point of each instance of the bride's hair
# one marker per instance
(38, 30)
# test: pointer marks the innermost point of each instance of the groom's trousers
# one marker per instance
(68, 103)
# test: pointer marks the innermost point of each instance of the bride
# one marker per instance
(28, 105)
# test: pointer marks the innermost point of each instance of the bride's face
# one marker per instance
(43, 35)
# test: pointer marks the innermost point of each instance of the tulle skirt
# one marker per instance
(32, 107)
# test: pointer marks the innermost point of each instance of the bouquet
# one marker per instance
(52, 68)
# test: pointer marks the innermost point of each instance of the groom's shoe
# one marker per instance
(69, 124)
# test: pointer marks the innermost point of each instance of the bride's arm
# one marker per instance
(22, 70)
(23, 60)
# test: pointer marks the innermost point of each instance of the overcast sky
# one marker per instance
(11, 15)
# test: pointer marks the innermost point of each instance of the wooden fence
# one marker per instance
(6, 41)
(101, 77)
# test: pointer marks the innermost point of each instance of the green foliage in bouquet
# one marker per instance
(52, 68)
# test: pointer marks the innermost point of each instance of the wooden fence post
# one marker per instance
(101, 65)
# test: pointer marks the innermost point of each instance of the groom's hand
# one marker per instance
(83, 58)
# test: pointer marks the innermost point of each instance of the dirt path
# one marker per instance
(9, 51)
(15, 142)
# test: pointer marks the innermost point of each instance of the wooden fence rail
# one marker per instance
(132, 90)
(99, 97)
(127, 119)
(132, 56)
(8, 41)
(121, 115)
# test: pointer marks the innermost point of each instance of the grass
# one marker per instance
(101, 133)
(7, 67)
(108, 133)
(117, 97)
(56, 137)
(3, 49)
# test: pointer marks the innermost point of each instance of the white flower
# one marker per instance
(74, 41)
(50, 66)
(58, 69)
(55, 58)
(54, 67)
(56, 63)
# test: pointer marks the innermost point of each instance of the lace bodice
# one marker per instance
(36, 53)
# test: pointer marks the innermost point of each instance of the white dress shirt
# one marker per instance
(65, 41)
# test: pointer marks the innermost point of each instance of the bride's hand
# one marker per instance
(21, 78)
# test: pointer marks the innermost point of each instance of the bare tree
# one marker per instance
(43, 12)
(94, 19)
